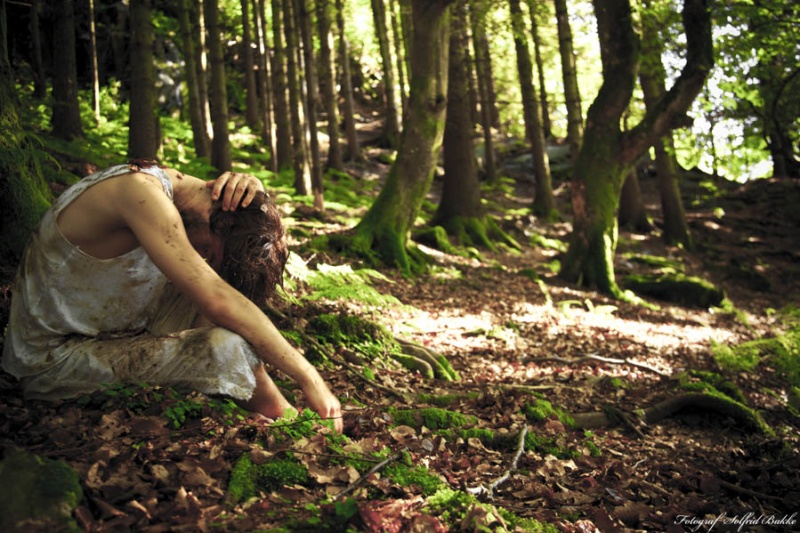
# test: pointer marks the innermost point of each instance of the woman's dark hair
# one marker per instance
(255, 252)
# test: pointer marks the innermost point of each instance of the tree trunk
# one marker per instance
(607, 154)
(302, 181)
(251, 97)
(483, 73)
(385, 227)
(39, 78)
(198, 20)
(572, 95)
(391, 128)
(199, 133)
(218, 94)
(328, 83)
(399, 49)
(632, 213)
(24, 195)
(353, 148)
(93, 61)
(652, 78)
(66, 119)
(546, 123)
(265, 83)
(459, 211)
(543, 202)
(305, 13)
(143, 135)
(283, 121)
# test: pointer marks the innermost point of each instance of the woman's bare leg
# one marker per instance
(267, 400)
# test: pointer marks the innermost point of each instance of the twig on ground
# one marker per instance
(355, 484)
(591, 357)
(489, 490)
(747, 492)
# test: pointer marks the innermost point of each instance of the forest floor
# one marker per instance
(154, 460)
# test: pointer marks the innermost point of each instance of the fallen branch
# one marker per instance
(489, 491)
(355, 484)
(609, 360)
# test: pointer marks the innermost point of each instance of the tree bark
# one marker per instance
(93, 61)
(66, 119)
(391, 127)
(218, 94)
(607, 154)
(537, 54)
(265, 83)
(652, 78)
(572, 95)
(198, 22)
(196, 119)
(632, 213)
(399, 49)
(39, 78)
(385, 227)
(543, 201)
(348, 111)
(305, 13)
(302, 179)
(483, 73)
(328, 84)
(143, 135)
(251, 114)
(283, 121)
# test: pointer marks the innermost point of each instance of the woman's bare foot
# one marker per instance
(267, 400)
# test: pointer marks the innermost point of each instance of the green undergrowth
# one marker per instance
(178, 408)
(249, 479)
(339, 329)
(780, 351)
(432, 418)
(541, 409)
(419, 477)
(455, 509)
(333, 282)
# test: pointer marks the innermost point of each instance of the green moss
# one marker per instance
(37, 494)
(678, 288)
(248, 478)
(542, 410)
(418, 476)
(449, 505)
(540, 241)
(432, 418)
(704, 380)
(509, 442)
(368, 337)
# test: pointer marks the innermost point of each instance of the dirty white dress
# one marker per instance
(78, 322)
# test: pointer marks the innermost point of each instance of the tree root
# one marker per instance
(417, 355)
(670, 406)
(609, 360)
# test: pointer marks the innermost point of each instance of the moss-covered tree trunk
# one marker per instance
(543, 201)
(143, 135)
(533, 8)
(251, 114)
(632, 213)
(24, 195)
(264, 83)
(608, 154)
(572, 96)
(302, 179)
(385, 227)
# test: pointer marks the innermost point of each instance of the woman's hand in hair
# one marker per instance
(236, 189)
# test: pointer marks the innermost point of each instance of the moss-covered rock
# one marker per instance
(248, 478)
(678, 288)
(432, 418)
(37, 494)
